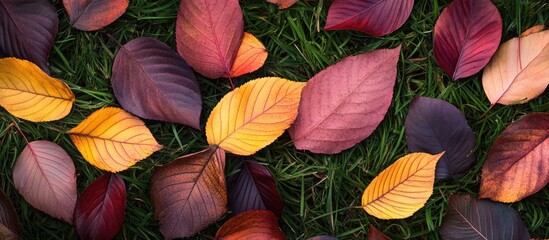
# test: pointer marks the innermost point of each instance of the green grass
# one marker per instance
(321, 192)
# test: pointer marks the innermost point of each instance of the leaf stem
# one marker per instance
(14, 125)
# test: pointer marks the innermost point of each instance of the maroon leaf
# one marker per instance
(208, 35)
(91, 15)
(258, 224)
(467, 34)
(189, 193)
(99, 212)
(27, 30)
(323, 237)
(254, 188)
(468, 218)
(9, 223)
(376, 17)
(45, 175)
(151, 81)
(434, 126)
(375, 234)
(343, 104)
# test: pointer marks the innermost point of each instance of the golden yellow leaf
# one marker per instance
(254, 115)
(250, 57)
(28, 93)
(402, 188)
(113, 140)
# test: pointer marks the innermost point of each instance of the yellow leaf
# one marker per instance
(28, 93)
(254, 115)
(250, 57)
(113, 140)
(402, 188)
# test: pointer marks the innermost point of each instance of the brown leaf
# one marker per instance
(258, 224)
(375, 234)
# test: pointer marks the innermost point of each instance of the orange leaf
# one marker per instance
(28, 93)
(283, 3)
(254, 115)
(113, 140)
(250, 56)
(519, 71)
(402, 188)
(534, 29)
(257, 224)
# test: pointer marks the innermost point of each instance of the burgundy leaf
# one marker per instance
(189, 193)
(208, 35)
(9, 222)
(468, 218)
(467, 34)
(99, 212)
(376, 17)
(343, 104)
(257, 224)
(151, 81)
(45, 175)
(91, 15)
(254, 188)
(434, 126)
(27, 30)
(323, 237)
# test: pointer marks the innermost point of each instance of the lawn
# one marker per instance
(321, 192)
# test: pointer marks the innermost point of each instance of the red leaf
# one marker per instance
(376, 17)
(208, 35)
(254, 188)
(467, 34)
(99, 212)
(151, 81)
(343, 104)
(91, 15)
(27, 30)
(189, 193)
(45, 175)
(9, 223)
(375, 234)
(259, 224)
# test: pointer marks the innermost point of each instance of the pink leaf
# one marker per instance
(208, 35)
(45, 175)
(344, 104)
(376, 17)
(467, 34)
(99, 212)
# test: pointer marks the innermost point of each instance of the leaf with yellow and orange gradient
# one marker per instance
(113, 140)
(250, 56)
(28, 93)
(254, 115)
(402, 188)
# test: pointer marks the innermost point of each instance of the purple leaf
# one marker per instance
(9, 222)
(254, 188)
(376, 17)
(91, 15)
(433, 126)
(467, 34)
(99, 212)
(27, 30)
(151, 81)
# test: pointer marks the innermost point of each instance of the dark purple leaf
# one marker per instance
(468, 218)
(467, 34)
(27, 30)
(91, 15)
(254, 188)
(99, 212)
(376, 17)
(433, 126)
(9, 223)
(151, 81)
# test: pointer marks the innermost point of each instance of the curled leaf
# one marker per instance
(91, 15)
(517, 163)
(343, 104)
(258, 224)
(45, 175)
(519, 71)
(151, 81)
(250, 56)
(402, 188)
(253, 115)
(189, 193)
(208, 35)
(99, 212)
(113, 140)
(27, 92)
(376, 17)
(9, 222)
(27, 30)
(282, 4)
(467, 34)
